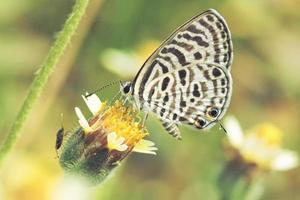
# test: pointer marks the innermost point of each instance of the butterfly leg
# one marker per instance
(126, 100)
(115, 97)
(171, 128)
(145, 119)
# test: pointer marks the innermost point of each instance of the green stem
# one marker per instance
(47, 67)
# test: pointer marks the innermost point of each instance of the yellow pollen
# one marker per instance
(121, 120)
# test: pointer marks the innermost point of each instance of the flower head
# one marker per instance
(253, 154)
(261, 146)
(104, 140)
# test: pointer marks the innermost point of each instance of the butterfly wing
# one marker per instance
(203, 39)
(198, 94)
(187, 79)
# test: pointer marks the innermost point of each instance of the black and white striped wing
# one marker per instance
(203, 41)
(197, 95)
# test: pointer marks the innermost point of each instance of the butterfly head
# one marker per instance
(126, 88)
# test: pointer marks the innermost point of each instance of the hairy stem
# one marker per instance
(40, 80)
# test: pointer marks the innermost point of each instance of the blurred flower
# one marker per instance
(254, 153)
(71, 188)
(104, 140)
(28, 177)
(127, 63)
(261, 146)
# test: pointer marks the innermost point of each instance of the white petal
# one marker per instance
(143, 151)
(82, 121)
(111, 137)
(147, 143)
(145, 146)
(120, 140)
(122, 147)
(93, 103)
(285, 160)
(234, 131)
(115, 142)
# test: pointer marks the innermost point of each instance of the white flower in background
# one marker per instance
(127, 63)
(261, 146)
(71, 188)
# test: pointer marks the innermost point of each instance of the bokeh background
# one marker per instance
(113, 40)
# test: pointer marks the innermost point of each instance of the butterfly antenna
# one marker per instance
(223, 128)
(103, 87)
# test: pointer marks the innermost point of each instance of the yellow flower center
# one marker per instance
(122, 121)
(261, 145)
(269, 134)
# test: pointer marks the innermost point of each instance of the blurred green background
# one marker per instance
(266, 68)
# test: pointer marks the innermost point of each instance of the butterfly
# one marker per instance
(187, 79)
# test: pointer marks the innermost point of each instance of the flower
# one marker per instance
(253, 154)
(104, 140)
(261, 146)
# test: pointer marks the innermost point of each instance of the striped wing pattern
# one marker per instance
(187, 79)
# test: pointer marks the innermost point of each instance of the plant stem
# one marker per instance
(60, 75)
(47, 67)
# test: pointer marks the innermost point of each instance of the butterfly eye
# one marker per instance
(126, 88)
(213, 112)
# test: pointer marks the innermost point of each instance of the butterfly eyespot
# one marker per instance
(213, 112)
(200, 123)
